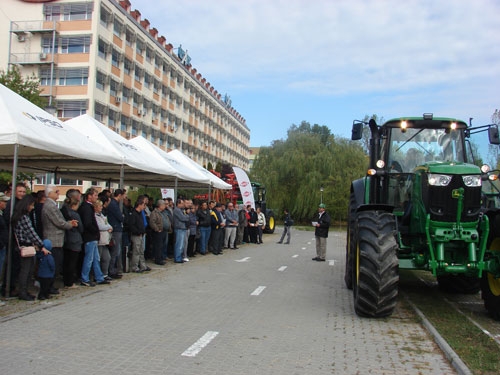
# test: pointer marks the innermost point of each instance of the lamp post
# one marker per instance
(321, 190)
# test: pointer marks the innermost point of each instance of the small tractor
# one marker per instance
(421, 206)
(234, 196)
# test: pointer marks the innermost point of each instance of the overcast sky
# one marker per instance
(330, 62)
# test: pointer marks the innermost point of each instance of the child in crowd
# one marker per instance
(46, 271)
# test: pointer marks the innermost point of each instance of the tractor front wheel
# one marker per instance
(270, 223)
(376, 276)
(490, 287)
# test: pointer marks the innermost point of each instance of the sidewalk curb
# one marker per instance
(450, 354)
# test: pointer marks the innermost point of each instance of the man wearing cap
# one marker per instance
(322, 224)
(54, 226)
(158, 234)
(4, 230)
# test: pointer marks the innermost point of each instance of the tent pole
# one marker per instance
(175, 192)
(11, 230)
(122, 173)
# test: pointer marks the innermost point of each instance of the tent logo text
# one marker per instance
(44, 121)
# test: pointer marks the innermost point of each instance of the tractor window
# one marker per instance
(417, 146)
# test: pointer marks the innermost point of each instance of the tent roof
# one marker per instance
(216, 182)
(45, 143)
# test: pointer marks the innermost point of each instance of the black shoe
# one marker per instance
(279, 242)
(321, 260)
(108, 278)
(41, 298)
(178, 261)
(147, 269)
(104, 282)
(138, 271)
(53, 290)
(317, 258)
(287, 243)
(162, 263)
(116, 276)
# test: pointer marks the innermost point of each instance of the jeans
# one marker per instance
(204, 237)
(180, 238)
(287, 232)
(91, 260)
(115, 251)
(164, 250)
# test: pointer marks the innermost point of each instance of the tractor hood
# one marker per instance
(451, 168)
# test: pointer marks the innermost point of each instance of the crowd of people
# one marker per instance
(96, 236)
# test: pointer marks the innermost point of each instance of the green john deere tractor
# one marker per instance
(420, 207)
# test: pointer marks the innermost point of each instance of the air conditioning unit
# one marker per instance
(43, 56)
(118, 99)
(140, 112)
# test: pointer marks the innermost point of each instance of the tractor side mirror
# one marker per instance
(493, 135)
(357, 131)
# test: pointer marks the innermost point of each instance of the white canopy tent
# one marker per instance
(33, 140)
(139, 165)
(216, 182)
(183, 169)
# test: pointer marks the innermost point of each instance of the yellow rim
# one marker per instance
(493, 283)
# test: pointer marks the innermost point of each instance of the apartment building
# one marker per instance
(104, 58)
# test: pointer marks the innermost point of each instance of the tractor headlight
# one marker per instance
(472, 181)
(439, 179)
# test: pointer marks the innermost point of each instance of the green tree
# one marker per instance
(293, 170)
(28, 87)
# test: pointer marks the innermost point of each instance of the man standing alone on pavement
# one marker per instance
(322, 224)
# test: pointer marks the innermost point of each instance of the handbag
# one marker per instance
(26, 251)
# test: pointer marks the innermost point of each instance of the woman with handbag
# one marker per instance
(26, 236)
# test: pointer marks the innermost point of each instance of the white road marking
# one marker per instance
(282, 268)
(194, 349)
(304, 248)
(295, 256)
(331, 262)
(309, 243)
(246, 259)
(258, 291)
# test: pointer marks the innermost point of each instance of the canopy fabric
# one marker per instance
(183, 170)
(216, 182)
(43, 142)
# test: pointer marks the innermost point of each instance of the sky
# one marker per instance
(329, 62)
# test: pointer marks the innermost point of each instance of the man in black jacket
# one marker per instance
(137, 231)
(322, 225)
(90, 237)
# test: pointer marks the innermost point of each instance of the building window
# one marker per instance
(75, 44)
(71, 108)
(103, 49)
(44, 75)
(116, 58)
(128, 65)
(73, 77)
(101, 79)
(118, 27)
(113, 118)
(114, 87)
(106, 16)
(47, 45)
(68, 12)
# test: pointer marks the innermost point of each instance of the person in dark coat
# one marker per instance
(322, 224)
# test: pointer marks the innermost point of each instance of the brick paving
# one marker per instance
(302, 322)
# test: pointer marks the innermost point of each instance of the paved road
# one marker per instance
(262, 309)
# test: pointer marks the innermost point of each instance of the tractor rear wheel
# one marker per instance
(459, 284)
(376, 276)
(490, 288)
(351, 243)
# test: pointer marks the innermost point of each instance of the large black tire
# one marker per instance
(459, 284)
(490, 288)
(376, 277)
(351, 243)
(270, 222)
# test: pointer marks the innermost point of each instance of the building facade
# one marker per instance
(101, 57)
